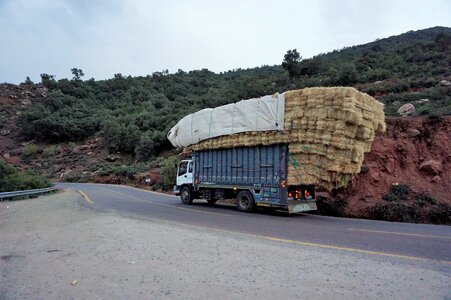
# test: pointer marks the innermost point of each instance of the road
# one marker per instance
(399, 241)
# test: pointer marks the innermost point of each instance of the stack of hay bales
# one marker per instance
(328, 130)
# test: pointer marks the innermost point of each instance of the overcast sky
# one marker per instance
(139, 37)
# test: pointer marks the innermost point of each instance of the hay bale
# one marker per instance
(328, 131)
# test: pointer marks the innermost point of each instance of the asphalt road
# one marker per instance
(401, 241)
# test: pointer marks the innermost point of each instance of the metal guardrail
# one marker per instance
(27, 193)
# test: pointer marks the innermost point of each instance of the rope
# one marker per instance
(209, 130)
(294, 163)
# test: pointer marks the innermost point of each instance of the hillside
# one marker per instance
(115, 130)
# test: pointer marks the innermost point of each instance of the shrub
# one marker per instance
(425, 199)
(169, 170)
(424, 110)
(331, 206)
(29, 152)
(120, 137)
(49, 151)
(399, 192)
(12, 180)
(73, 176)
(144, 150)
(395, 211)
(440, 214)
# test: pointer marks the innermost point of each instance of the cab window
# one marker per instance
(183, 168)
(190, 168)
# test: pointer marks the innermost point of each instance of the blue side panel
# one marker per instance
(259, 166)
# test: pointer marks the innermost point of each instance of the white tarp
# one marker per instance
(259, 114)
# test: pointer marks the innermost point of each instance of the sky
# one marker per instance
(139, 37)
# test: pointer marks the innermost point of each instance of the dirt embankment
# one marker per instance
(414, 153)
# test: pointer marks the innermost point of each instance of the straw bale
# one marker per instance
(328, 130)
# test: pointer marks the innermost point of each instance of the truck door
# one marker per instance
(185, 173)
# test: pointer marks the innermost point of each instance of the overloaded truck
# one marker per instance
(255, 176)
(274, 151)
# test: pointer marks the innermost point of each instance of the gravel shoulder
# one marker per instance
(57, 247)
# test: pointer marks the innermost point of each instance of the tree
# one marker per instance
(48, 80)
(291, 62)
(348, 74)
(145, 150)
(78, 73)
(28, 81)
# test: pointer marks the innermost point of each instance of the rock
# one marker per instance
(406, 110)
(89, 153)
(112, 157)
(412, 132)
(364, 169)
(5, 131)
(432, 167)
(6, 155)
(26, 102)
(30, 94)
(444, 83)
(16, 152)
(396, 103)
(378, 82)
(375, 176)
(436, 179)
(56, 168)
(422, 101)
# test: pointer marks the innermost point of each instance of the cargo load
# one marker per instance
(327, 130)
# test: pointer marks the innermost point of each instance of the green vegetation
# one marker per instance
(29, 152)
(13, 180)
(331, 206)
(133, 114)
(399, 192)
(168, 171)
(403, 205)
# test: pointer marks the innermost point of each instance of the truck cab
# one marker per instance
(184, 175)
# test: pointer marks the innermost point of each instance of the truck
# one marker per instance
(256, 176)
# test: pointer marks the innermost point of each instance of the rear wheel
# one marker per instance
(245, 201)
(186, 195)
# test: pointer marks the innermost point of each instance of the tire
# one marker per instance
(186, 195)
(245, 201)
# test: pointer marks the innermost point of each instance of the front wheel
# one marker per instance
(245, 201)
(186, 195)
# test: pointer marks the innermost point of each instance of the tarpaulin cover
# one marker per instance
(259, 114)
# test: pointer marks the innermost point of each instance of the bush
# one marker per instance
(169, 170)
(49, 151)
(29, 152)
(76, 176)
(12, 180)
(347, 74)
(399, 192)
(331, 206)
(396, 212)
(145, 150)
(439, 214)
(129, 170)
(120, 137)
(425, 199)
